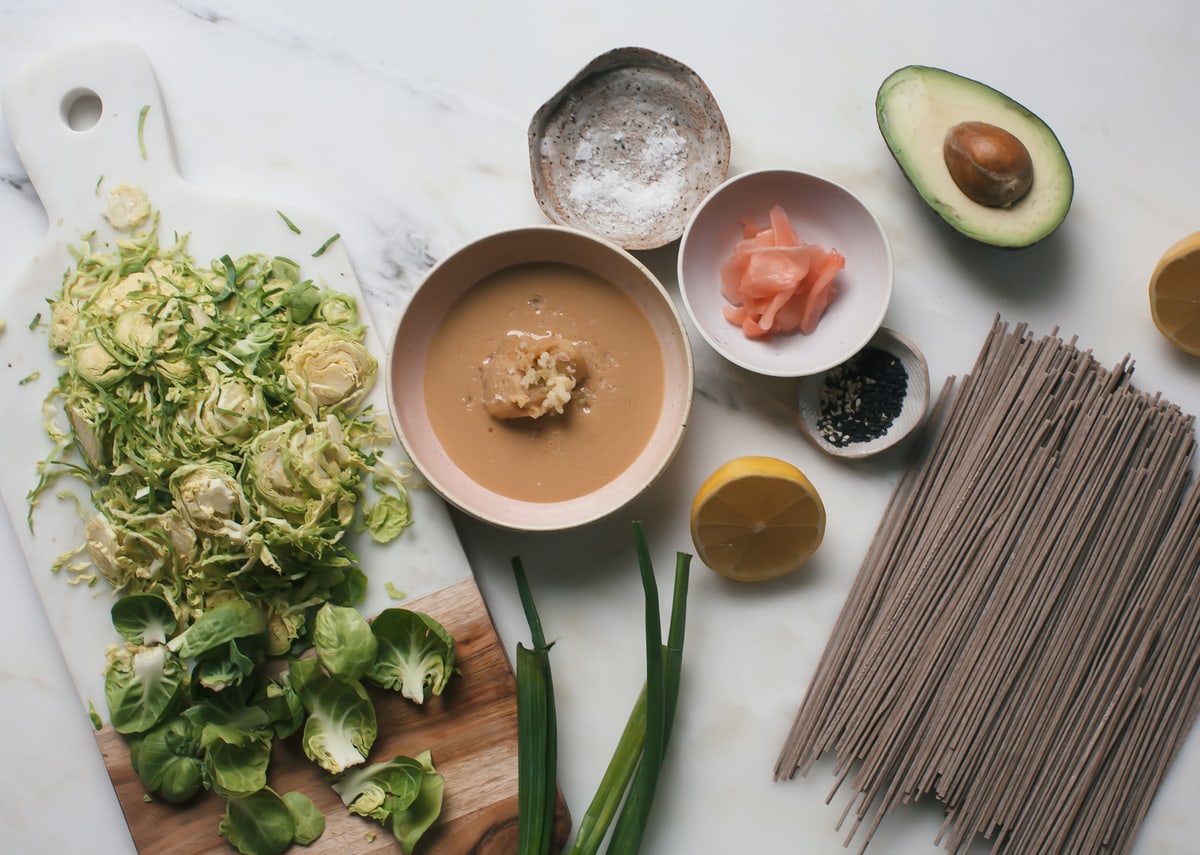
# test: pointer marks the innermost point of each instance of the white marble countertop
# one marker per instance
(405, 124)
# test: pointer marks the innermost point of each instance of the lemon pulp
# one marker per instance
(1175, 294)
(756, 518)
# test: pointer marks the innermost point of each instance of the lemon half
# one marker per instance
(756, 518)
(1175, 294)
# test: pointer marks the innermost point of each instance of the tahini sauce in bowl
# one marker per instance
(624, 421)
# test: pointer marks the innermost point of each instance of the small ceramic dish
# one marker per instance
(858, 408)
(822, 213)
(628, 148)
(452, 437)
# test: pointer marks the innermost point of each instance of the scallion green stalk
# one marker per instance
(593, 826)
(673, 664)
(663, 670)
(328, 243)
(631, 778)
(141, 130)
(537, 733)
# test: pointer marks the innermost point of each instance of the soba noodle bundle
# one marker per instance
(1021, 642)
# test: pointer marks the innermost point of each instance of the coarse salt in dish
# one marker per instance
(609, 181)
(628, 148)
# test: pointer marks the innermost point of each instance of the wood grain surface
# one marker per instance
(471, 730)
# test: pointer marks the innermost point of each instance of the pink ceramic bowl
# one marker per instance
(415, 332)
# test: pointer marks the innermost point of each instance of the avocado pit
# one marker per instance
(989, 164)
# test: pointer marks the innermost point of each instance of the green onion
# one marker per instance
(631, 824)
(594, 824)
(537, 733)
(673, 665)
(632, 773)
(631, 778)
(295, 228)
(142, 130)
(321, 249)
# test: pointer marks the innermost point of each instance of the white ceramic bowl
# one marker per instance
(912, 409)
(823, 213)
(449, 280)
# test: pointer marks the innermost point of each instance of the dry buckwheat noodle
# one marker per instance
(1021, 643)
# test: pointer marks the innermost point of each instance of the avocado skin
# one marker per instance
(967, 217)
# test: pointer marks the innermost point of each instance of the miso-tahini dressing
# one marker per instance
(612, 414)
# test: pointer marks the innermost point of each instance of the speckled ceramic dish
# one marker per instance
(821, 395)
(408, 382)
(821, 212)
(628, 148)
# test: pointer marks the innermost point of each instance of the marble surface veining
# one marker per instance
(404, 123)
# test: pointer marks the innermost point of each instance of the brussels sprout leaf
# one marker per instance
(258, 824)
(144, 618)
(344, 642)
(403, 794)
(169, 760)
(341, 725)
(387, 518)
(409, 824)
(142, 685)
(285, 710)
(307, 819)
(222, 667)
(219, 625)
(239, 768)
(300, 300)
(416, 654)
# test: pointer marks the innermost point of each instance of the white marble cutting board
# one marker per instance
(81, 119)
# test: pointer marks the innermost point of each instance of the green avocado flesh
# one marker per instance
(917, 105)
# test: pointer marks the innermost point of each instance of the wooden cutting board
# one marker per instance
(470, 728)
(83, 120)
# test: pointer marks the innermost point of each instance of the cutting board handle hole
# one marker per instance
(81, 109)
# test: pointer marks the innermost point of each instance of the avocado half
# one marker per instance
(916, 106)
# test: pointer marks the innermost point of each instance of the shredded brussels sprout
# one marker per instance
(216, 415)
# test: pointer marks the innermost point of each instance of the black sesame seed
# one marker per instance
(860, 398)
